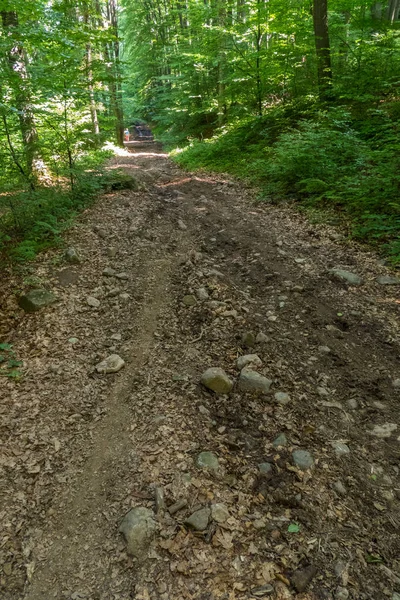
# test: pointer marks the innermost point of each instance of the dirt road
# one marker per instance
(202, 274)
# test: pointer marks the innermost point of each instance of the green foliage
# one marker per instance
(33, 220)
(335, 161)
(9, 365)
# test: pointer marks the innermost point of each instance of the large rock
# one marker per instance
(251, 381)
(219, 512)
(138, 528)
(72, 256)
(383, 431)
(36, 300)
(303, 459)
(199, 519)
(217, 380)
(346, 276)
(111, 364)
(208, 460)
(387, 280)
(248, 359)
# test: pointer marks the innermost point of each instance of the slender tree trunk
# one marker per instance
(19, 81)
(322, 46)
(119, 114)
(92, 100)
(93, 107)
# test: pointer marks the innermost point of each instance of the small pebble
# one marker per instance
(340, 448)
(265, 468)
(303, 459)
(339, 488)
(281, 440)
(282, 398)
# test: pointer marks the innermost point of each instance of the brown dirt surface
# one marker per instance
(79, 449)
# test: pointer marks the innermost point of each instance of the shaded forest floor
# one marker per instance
(208, 275)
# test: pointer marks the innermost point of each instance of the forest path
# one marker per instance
(202, 275)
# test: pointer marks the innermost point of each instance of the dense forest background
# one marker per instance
(300, 97)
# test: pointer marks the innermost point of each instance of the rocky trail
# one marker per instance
(274, 475)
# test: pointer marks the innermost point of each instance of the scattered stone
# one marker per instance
(116, 337)
(202, 294)
(248, 359)
(217, 380)
(387, 280)
(339, 488)
(182, 225)
(352, 403)
(265, 468)
(383, 431)
(248, 339)
(340, 448)
(251, 381)
(109, 272)
(281, 440)
(346, 276)
(262, 338)
(322, 391)
(199, 519)
(102, 233)
(189, 300)
(324, 349)
(113, 292)
(208, 460)
(122, 276)
(124, 296)
(396, 384)
(396, 596)
(138, 527)
(263, 590)
(219, 512)
(342, 593)
(177, 506)
(300, 261)
(230, 313)
(73, 340)
(303, 459)
(72, 256)
(36, 300)
(282, 398)
(112, 364)
(302, 578)
(7, 569)
(92, 301)
(112, 252)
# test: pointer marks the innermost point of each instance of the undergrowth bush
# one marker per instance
(32, 220)
(323, 158)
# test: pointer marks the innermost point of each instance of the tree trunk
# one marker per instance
(92, 100)
(393, 10)
(119, 114)
(19, 81)
(322, 46)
